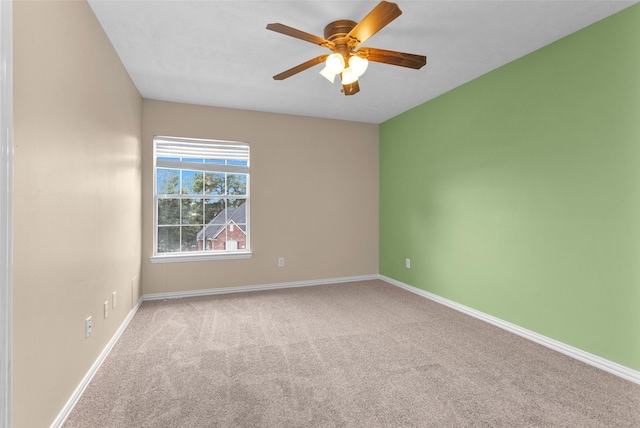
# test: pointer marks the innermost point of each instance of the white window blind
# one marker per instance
(211, 155)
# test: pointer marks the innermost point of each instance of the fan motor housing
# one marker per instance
(336, 32)
(338, 29)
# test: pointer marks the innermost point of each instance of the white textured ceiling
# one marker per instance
(219, 53)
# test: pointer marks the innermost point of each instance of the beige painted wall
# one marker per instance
(77, 124)
(314, 197)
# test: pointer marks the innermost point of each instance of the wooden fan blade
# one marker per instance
(298, 34)
(378, 18)
(301, 67)
(392, 57)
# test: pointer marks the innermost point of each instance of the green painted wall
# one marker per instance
(518, 194)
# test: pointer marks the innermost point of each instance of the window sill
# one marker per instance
(178, 258)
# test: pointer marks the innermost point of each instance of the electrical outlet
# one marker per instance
(113, 300)
(106, 308)
(281, 262)
(87, 327)
(407, 263)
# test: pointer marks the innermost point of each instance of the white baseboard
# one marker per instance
(66, 410)
(591, 359)
(227, 290)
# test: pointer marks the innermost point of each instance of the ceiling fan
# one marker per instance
(349, 59)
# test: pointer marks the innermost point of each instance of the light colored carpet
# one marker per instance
(362, 354)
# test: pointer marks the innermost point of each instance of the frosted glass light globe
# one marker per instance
(335, 63)
(348, 76)
(358, 65)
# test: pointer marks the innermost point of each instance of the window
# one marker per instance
(201, 199)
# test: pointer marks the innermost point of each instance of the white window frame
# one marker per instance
(200, 148)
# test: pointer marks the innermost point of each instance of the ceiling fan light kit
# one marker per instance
(343, 38)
